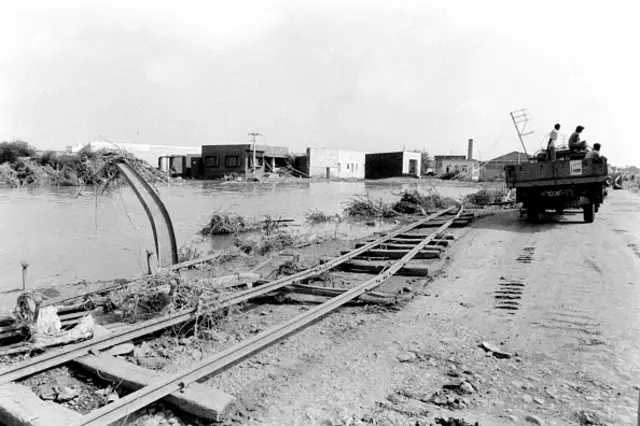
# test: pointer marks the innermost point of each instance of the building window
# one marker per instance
(347, 166)
(464, 169)
(212, 161)
(231, 161)
(339, 168)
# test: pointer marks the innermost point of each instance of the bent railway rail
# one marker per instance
(169, 384)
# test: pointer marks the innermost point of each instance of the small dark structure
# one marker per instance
(220, 160)
(392, 164)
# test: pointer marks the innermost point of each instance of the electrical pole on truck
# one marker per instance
(521, 117)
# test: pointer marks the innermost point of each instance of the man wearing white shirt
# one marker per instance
(551, 146)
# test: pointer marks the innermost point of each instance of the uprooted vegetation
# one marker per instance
(229, 223)
(415, 202)
(411, 202)
(367, 206)
(264, 243)
(169, 292)
(316, 216)
(233, 223)
(23, 165)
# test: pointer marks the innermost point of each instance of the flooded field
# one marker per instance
(65, 237)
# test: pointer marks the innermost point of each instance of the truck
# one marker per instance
(571, 181)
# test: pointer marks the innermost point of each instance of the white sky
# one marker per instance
(364, 75)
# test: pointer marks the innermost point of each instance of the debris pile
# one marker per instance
(264, 243)
(168, 292)
(23, 165)
(229, 223)
(414, 202)
(316, 216)
(367, 206)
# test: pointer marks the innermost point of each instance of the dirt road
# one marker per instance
(562, 297)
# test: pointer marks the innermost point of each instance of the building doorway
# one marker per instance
(328, 173)
(413, 167)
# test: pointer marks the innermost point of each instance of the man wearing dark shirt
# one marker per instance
(574, 140)
(594, 154)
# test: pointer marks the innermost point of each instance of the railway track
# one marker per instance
(395, 249)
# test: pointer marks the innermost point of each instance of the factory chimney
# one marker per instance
(470, 152)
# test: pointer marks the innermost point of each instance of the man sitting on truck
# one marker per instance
(574, 140)
(594, 154)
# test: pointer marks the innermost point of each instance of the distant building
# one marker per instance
(393, 164)
(149, 153)
(494, 169)
(334, 163)
(465, 166)
(220, 160)
(449, 163)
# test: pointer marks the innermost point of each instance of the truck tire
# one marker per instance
(589, 213)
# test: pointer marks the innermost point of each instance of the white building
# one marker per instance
(335, 163)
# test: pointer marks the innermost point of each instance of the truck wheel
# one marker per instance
(589, 213)
(533, 214)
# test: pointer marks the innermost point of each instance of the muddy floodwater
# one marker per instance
(65, 237)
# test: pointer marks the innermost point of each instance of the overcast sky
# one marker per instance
(364, 75)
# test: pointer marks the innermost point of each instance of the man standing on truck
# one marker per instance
(574, 140)
(551, 146)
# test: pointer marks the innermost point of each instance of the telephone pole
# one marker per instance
(253, 135)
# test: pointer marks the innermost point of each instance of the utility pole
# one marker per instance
(253, 135)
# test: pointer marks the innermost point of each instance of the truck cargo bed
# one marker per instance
(569, 172)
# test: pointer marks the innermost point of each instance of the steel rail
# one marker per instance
(53, 359)
(226, 359)
(137, 183)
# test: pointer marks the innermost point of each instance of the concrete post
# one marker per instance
(25, 265)
(149, 253)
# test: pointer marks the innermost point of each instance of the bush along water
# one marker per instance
(23, 165)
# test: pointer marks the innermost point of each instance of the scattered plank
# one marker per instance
(399, 246)
(372, 267)
(332, 292)
(396, 254)
(234, 280)
(436, 223)
(194, 262)
(415, 241)
(19, 406)
(199, 400)
(420, 237)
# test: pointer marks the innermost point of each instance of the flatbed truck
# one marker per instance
(571, 181)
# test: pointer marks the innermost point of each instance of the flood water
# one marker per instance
(65, 237)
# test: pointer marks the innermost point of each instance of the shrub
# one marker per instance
(11, 151)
